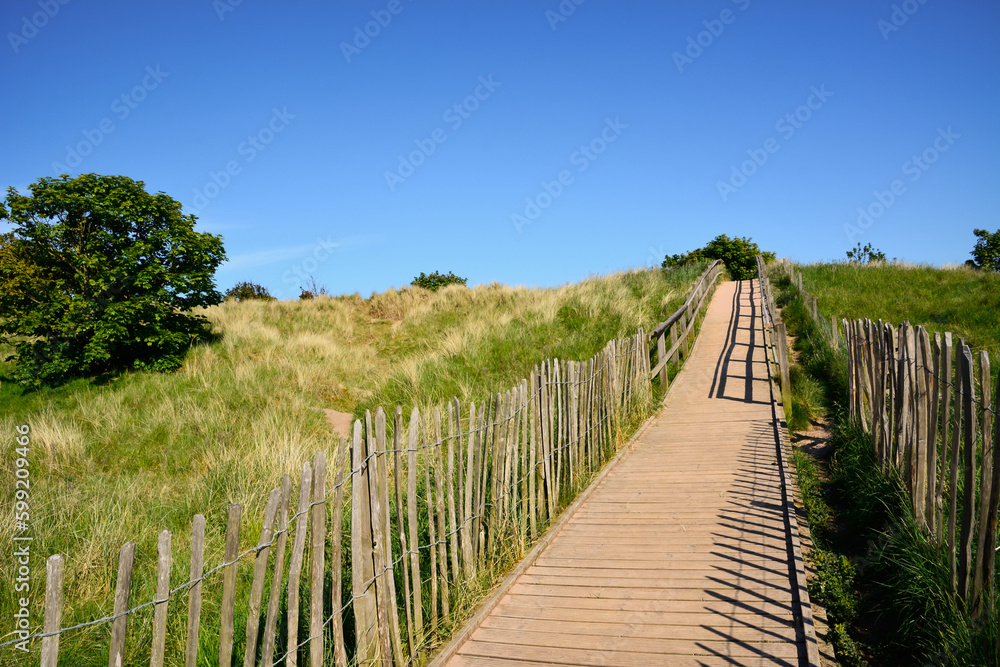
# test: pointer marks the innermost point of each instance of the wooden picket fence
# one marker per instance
(928, 407)
(425, 505)
(917, 397)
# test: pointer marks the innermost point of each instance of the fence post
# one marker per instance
(259, 571)
(126, 558)
(969, 474)
(53, 610)
(362, 568)
(162, 597)
(229, 585)
(194, 596)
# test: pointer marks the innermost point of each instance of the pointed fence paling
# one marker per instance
(926, 401)
(452, 491)
(928, 405)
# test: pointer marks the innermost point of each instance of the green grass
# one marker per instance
(963, 301)
(883, 583)
(123, 458)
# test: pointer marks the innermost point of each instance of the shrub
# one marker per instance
(99, 275)
(986, 253)
(312, 290)
(865, 255)
(436, 280)
(739, 255)
(247, 290)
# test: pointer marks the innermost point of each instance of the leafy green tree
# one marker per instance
(986, 253)
(436, 280)
(247, 290)
(98, 275)
(739, 255)
(865, 255)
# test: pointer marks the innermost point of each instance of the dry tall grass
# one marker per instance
(124, 460)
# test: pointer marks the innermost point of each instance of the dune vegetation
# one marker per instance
(120, 459)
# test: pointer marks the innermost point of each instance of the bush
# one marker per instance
(436, 280)
(739, 255)
(245, 291)
(99, 275)
(312, 290)
(865, 255)
(986, 253)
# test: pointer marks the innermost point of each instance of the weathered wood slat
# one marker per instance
(162, 597)
(54, 570)
(362, 564)
(278, 577)
(317, 552)
(397, 476)
(228, 606)
(968, 473)
(337, 556)
(411, 506)
(295, 563)
(259, 571)
(194, 595)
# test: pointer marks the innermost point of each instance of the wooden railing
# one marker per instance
(388, 531)
(681, 323)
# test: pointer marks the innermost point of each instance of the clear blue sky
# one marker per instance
(639, 132)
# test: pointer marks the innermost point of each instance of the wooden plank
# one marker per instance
(988, 599)
(194, 594)
(468, 487)
(968, 473)
(397, 444)
(295, 563)
(439, 512)
(922, 445)
(123, 590)
(278, 577)
(259, 572)
(531, 470)
(984, 547)
(162, 598)
(945, 412)
(228, 605)
(411, 502)
(956, 456)
(453, 524)
(933, 406)
(337, 556)
(317, 552)
(378, 489)
(479, 472)
(52, 623)
(363, 594)
(431, 529)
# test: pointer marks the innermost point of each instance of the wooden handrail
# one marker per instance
(666, 324)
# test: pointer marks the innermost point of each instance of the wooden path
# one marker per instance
(681, 553)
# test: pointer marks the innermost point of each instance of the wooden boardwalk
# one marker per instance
(683, 552)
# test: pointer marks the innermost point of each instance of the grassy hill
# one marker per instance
(123, 459)
(961, 300)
